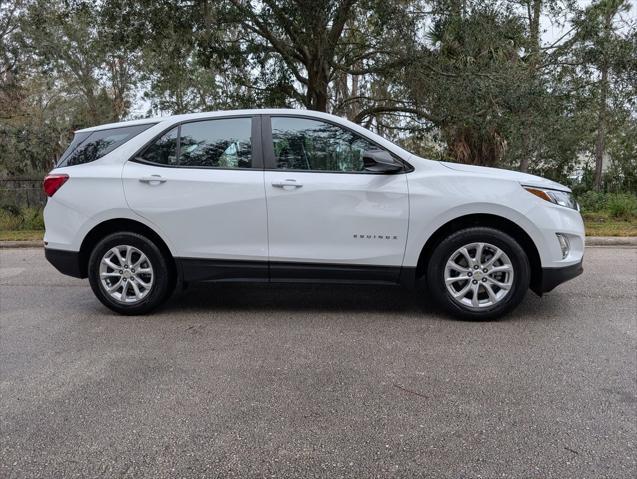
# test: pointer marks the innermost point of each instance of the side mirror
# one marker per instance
(380, 161)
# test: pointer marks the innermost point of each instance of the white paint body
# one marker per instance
(238, 214)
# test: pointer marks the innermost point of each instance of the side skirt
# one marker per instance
(218, 270)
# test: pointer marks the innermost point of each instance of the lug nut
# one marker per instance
(475, 281)
(476, 267)
(469, 274)
(485, 270)
(121, 271)
(484, 280)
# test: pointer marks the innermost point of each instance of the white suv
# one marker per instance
(281, 195)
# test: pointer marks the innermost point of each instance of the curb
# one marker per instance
(611, 241)
(590, 241)
(21, 244)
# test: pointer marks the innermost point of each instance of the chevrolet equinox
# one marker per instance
(142, 206)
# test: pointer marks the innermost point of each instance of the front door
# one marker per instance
(328, 218)
(201, 184)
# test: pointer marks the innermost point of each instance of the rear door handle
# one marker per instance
(283, 184)
(152, 179)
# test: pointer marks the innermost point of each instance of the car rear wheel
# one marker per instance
(129, 274)
(478, 273)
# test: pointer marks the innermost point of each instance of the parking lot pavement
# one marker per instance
(308, 381)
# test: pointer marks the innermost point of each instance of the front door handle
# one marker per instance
(152, 179)
(283, 184)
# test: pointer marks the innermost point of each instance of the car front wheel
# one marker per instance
(478, 273)
(128, 273)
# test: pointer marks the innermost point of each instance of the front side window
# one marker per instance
(221, 143)
(90, 146)
(304, 144)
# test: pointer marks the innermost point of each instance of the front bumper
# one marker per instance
(552, 277)
(66, 262)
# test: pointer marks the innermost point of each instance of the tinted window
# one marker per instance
(89, 146)
(221, 143)
(164, 150)
(78, 138)
(302, 144)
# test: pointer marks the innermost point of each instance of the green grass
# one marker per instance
(21, 224)
(21, 235)
(602, 224)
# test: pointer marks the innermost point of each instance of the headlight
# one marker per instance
(561, 198)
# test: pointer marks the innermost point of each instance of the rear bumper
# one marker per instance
(66, 262)
(552, 277)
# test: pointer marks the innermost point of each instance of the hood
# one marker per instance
(523, 178)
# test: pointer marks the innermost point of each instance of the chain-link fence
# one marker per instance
(21, 193)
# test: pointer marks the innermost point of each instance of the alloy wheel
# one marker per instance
(126, 274)
(478, 275)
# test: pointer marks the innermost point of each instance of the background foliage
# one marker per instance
(461, 80)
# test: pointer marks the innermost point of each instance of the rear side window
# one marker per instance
(216, 143)
(164, 150)
(219, 143)
(91, 145)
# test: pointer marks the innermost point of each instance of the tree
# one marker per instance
(317, 43)
(10, 88)
(304, 34)
(86, 49)
(466, 81)
(605, 52)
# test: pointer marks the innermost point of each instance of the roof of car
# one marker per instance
(210, 114)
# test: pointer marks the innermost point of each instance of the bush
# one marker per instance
(9, 221)
(592, 201)
(12, 218)
(10, 209)
(622, 206)
(32, 219)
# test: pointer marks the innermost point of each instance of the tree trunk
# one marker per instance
(600, 141)
(354, 107)
(482, 149)
(317, 97)
(534, 59)
(525, 160)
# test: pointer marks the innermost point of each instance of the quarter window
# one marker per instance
(304, 144)
(90, 146)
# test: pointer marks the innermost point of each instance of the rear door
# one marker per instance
(328, 218)
(201, 184)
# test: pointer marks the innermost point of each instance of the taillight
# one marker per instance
(52, 183)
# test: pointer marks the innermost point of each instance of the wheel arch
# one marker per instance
(486, 220)
(115, 225)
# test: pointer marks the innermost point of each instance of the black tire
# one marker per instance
(161, 286)
(435, 274)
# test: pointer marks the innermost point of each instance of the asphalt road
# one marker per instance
(317, 381)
